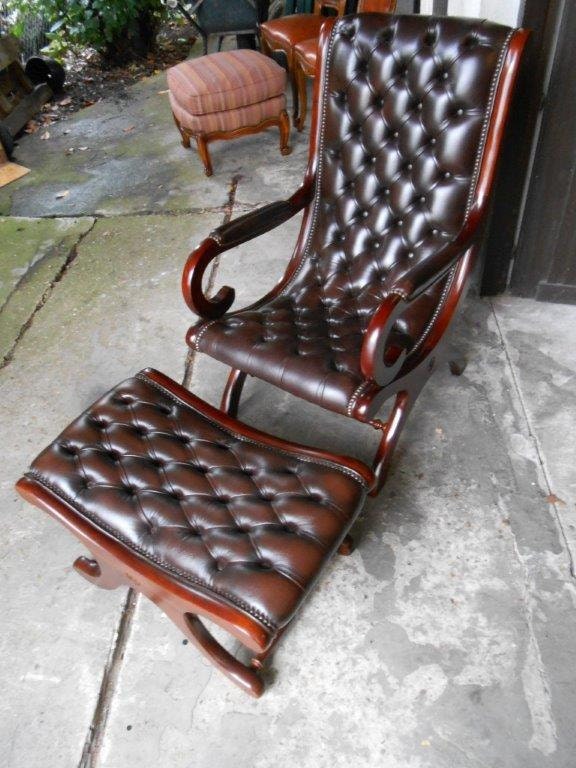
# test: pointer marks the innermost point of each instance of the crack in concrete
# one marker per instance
(536, 442)
(95, 736)
(127, 214)
(60, 274)
(93, 743)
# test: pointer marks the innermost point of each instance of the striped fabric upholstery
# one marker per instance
(230, 119)
(225, 81)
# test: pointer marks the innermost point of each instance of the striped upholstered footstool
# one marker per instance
(225, 95)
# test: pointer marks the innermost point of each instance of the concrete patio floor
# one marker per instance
(448, 638)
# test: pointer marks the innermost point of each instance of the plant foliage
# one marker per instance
(118, 29)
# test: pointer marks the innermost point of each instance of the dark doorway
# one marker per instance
(530, 246)
(545, 257)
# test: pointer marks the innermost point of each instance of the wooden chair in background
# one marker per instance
(281, 35)
(305, 57)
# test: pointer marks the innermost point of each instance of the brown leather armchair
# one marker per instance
(305, 57)
(407, 124)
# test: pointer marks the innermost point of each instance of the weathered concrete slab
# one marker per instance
(117, 309)
(33, 254)
(444, 640)
(542, 353)
(127, 158)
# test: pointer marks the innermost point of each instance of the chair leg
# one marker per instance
(202, 145)
(284, 126)
(391, 430)
(231, 395)
(347, 546)
(300, 78)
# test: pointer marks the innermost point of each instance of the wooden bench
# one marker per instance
(205, 516)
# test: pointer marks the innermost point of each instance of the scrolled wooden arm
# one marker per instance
(379, 361)
(228, 236)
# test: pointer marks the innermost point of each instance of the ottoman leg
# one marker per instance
(246, 678)
(202, 145)
(284, 125)
(183, 133)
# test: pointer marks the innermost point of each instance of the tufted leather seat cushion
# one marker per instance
(403, 118)
(238, 518)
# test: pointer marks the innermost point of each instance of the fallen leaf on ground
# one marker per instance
(63, 194)
(553, 499)
(65, 102)
(82, 149)
(129, 129)
(45, 136)
(161, 93)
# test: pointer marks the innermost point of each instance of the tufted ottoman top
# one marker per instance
(226, 80)
(248, 519)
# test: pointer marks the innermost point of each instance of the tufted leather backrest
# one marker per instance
(402, 123)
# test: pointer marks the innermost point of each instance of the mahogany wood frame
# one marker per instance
(403, 378)
(203, 139)
(112, 565)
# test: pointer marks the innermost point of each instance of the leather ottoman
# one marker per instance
(204, 515)
(225, 95)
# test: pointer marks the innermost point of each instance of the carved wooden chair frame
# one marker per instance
(404, 378)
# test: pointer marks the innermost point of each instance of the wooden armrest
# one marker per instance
(379, 362)
(228, 236)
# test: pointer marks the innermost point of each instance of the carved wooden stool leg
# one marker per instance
(101, 575)
(231, 395)
(284, 125)
(202, 145)
(244, 677)
(300, 79)
(347, 546)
